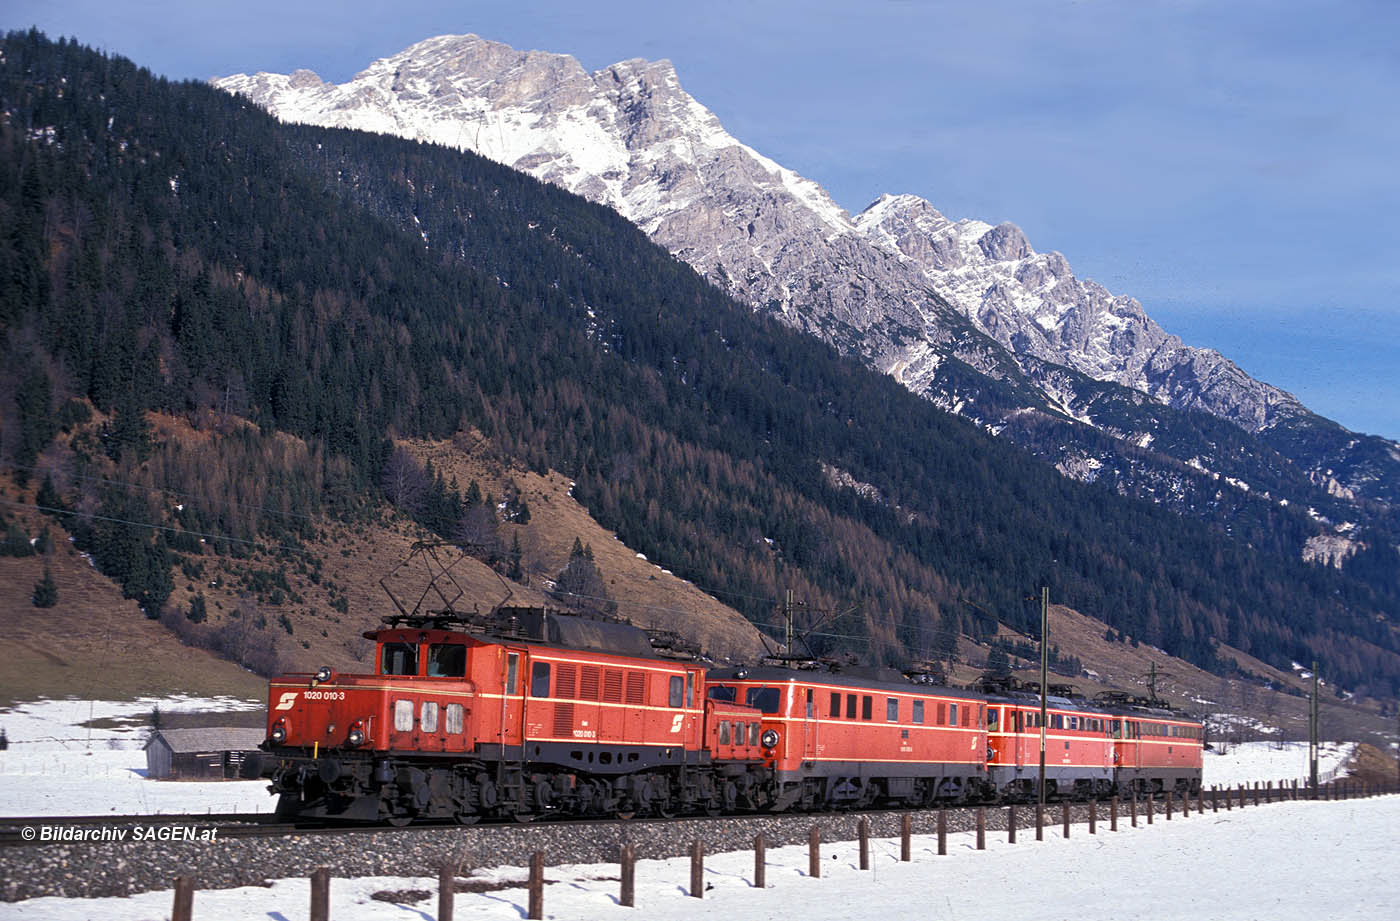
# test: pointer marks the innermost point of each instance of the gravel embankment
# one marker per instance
(91, 869)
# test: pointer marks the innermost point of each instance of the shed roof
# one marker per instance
(209, 740)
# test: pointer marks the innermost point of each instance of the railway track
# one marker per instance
(265, 825)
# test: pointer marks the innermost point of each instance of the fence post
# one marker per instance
(760, 867)
(447, 888)
(1132, 808)
(906, 830)
(814, 853)
(1113, 813)
(942, 832)
(1093, 816)
(536, 886)
(1039, 823)
(183, 909)
(1256, 793)
(1243, 788)
(321, 894)
(1151, 806)
(628, 860)
(1169, 805)
(1200, 801)
(697, 869)
(981, 828)
(1010, 824)
(864, 830)
(1064, 817)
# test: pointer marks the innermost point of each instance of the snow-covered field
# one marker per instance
(60, 763)
(1264, 761)
(1315, 861)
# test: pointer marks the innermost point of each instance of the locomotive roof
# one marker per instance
(841, 679)
(535, 625)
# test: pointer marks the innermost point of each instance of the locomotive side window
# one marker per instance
(539, 679)
(677, 691)
(866, 706)
(399, 659)
(769, 700)
(403, 716)
(942, 714)
(918, 711)
(835, 705)
(447, 660)
(952, 714)
(967, 715)
(1057, 721)
(452, 718)
(720, 693)
(690, 689)
(891, 709)
(811, 707)
(428, 718)
(1017, 721)
(850, 706)
(981, 716)
(512, 672)
(755, 729)
(724, 732)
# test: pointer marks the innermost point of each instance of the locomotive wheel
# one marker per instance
(466, 818)
(398, 821)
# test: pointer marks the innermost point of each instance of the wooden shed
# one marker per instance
(199, 754)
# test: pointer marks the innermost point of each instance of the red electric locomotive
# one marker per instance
(1157, 750)
(1078, 747)
(526, 713)
(1115, 743)
(861, 737)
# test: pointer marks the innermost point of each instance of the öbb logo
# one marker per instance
(286, 700)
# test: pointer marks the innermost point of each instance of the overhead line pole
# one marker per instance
(1313, 733)
(1044, 679)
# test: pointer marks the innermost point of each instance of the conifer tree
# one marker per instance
(45, 591)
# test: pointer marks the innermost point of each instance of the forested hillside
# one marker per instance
(169, 247)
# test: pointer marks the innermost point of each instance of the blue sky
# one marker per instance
(1231, 164)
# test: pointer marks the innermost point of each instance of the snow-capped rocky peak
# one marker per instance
(900, 284)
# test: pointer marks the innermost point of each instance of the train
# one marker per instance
(530, 712)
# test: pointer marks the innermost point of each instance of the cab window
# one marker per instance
(918, 711)
(769, 700)
(512, 671)
(992, 719)
(720, 693)
(399, 659)
(447, 660)
(539, 679)
(676, 692)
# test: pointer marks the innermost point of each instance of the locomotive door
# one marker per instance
(809, 727)
(511, 714)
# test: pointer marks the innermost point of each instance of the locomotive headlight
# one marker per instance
(769, 739)
(279, 732)
(323, 674)
(355, 736)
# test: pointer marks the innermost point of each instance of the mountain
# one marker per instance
(302, 297)
(966, 314)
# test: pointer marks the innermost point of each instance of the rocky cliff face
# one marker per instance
(968, 314)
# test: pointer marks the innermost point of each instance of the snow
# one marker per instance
(59, 763)
(1265, 761)
(1293, 860)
